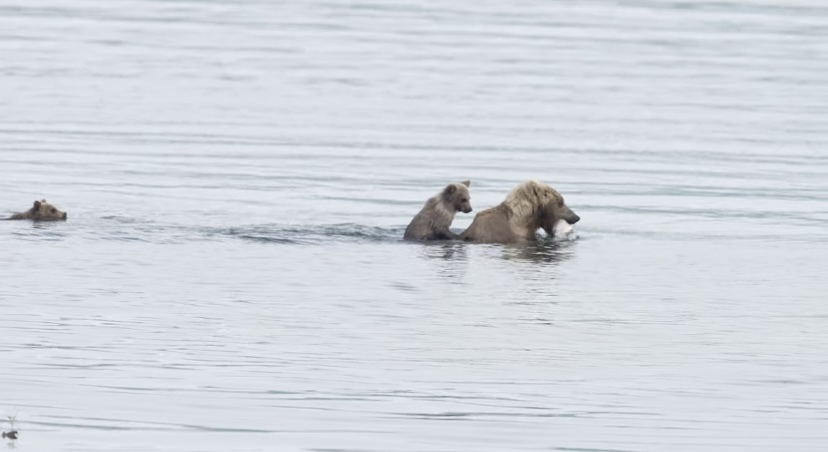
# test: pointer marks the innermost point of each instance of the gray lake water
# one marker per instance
(238, 176)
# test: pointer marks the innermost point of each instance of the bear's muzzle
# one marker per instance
(570, 216)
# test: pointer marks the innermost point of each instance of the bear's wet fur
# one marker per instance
(433, 221)
(40, 211)
(530, 206)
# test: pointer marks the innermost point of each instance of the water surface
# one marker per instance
(238, 177)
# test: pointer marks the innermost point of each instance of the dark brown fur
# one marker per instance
(433, 221)
(40, 211)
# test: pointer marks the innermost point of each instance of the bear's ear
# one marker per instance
(36, 205)
(467, 183)
(450, 189)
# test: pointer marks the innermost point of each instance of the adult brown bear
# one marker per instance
(530, 206)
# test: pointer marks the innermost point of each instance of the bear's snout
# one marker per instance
(570, 216)
(467, 209)
(64, 215)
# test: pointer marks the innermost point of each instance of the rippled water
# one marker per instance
(238, 176)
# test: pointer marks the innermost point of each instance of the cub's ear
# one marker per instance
(467, 183)
(36, 205)
(450, 189)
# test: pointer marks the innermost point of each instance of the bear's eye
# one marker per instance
(560, 203)
(54, 210)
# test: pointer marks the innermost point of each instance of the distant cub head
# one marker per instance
(43, 211)
(458, 197)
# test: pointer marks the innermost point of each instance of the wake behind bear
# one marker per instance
(433, 221)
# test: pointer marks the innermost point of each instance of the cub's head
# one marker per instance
(457, 196)
(43, 211)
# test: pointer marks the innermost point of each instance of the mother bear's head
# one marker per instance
(536, 205)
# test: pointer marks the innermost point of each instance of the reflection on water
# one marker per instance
(452, 251)
(543, 252)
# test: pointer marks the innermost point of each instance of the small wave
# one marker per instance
(284, 234)
(134, 229)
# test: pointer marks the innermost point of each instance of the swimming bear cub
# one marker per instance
(433, 221)
(40, 211)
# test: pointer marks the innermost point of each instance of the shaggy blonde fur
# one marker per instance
(530, 206)
(527, 198)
